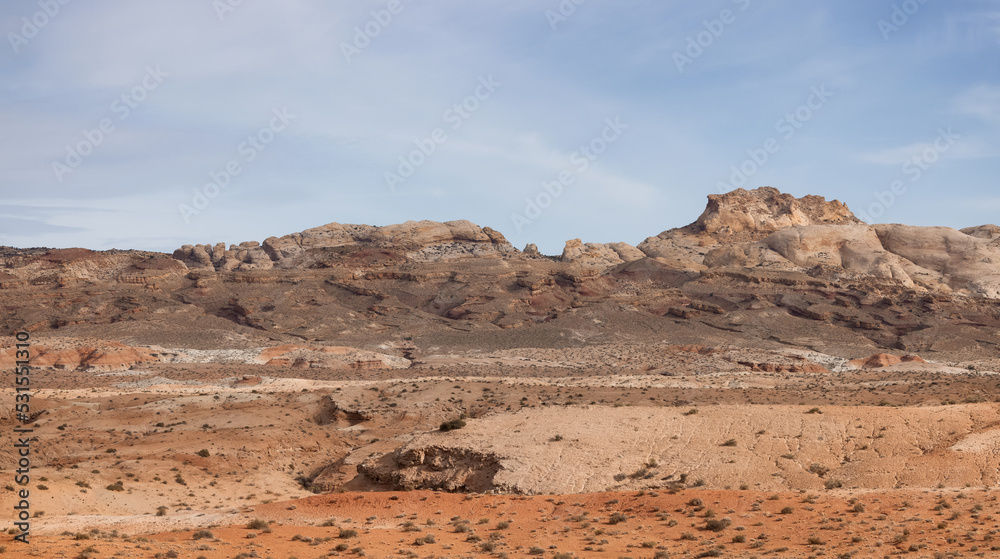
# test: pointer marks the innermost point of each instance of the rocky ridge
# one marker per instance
(797, 271)
(417, 241)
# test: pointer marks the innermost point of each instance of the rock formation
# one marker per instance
(600, 254)
(759, 262)
(417, 241)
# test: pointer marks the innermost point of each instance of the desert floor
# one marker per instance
(660, 451)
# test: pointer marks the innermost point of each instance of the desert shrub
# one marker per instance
(787, 510)
(257, 524)
(641, 472)
(202, 534)
(815, 540)
(617, 518)
(730, 442)
(204, 453)
(833, 484)
(739, 539)
(818, 470)
(452, 424)
(347, 533)
(717, 524)
(535, 550)
(116, 486)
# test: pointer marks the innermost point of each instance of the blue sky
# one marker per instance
(161, 123)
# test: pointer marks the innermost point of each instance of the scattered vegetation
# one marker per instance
(452, 424)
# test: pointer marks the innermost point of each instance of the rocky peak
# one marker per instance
(755, 214)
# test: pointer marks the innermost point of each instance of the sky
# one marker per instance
(155, 124)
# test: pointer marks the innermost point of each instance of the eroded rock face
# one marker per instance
(988, 232)
(599, 254)
(757, 213)
(244, 256)
(854, 249)
(741, 216)
(418, 241)
(333, 357)
(963, 261)
(757, 230)
(105, 356)
(933, 258)
(434, 467)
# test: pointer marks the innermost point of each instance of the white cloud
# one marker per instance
(982, 101)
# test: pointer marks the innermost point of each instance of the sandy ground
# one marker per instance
(689, 523)
(135, 462)
(769, 448)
